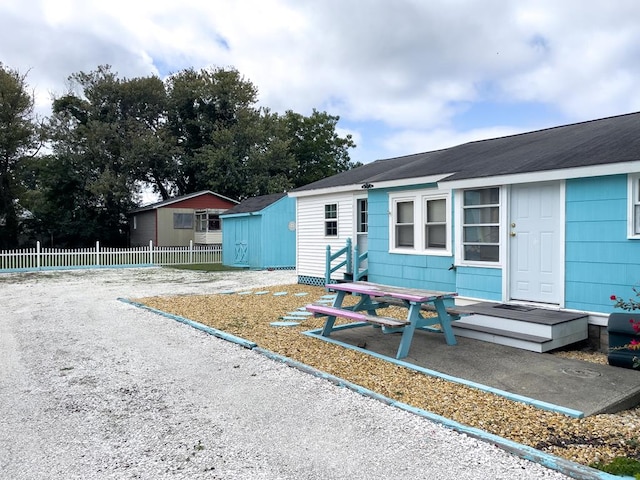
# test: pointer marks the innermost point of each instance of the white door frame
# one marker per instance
(356, 221)
(560, 245)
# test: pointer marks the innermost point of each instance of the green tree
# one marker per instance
(197, 130)
(208, 113)
(108, 135)
(18, 141)
(318, 149)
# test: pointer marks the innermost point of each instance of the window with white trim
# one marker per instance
(481, 225)
(420, 223)
(331, 220)
(403, 221)
(363, 215)
(435, 223)
(633, 220)
(207, 221)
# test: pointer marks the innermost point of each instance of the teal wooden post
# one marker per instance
(327, 268)
(356, 263)
(349, 253)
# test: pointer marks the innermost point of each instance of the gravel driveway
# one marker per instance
(91, 387)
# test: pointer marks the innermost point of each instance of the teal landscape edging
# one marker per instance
(196, 325)
(566, 467)
(316, 333)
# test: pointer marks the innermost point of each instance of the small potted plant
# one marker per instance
(624, 332)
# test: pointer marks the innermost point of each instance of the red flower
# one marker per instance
(613, 297)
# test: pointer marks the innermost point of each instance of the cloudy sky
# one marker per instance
(405, 76)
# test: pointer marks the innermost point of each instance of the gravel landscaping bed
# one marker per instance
(91, 387)
(596, 438)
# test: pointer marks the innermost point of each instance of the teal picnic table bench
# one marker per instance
(375, 296)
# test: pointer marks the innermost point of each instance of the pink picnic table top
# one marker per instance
(378, 290)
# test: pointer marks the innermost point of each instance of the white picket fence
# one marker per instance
(39, 258)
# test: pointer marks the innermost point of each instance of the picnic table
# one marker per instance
(375, 296)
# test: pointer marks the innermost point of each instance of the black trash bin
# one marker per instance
(621, 333)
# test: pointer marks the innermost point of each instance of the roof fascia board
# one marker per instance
(545, 176)
(404, 182)
(244, 214)
(408, 182)
(326, 191)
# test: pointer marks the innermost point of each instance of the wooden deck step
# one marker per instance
(522, 313)
(535, 337)
(500, 332)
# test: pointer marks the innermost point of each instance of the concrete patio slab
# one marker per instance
(573, 386)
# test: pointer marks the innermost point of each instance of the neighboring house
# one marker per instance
(548, 218)
(260, 233)
(178, 221)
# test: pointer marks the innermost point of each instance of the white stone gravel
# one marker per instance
(94, 388)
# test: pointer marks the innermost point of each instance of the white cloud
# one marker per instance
(409, 64)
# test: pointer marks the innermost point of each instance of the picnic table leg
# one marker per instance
(328, 326)
(331, 319)
(445, 321)
(408, 330)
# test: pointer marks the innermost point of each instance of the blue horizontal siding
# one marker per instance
(478, 282)
(599, 259)
(417, 271)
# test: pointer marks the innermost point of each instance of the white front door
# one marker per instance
(535, 254)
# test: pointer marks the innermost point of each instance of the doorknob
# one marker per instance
(512, 234)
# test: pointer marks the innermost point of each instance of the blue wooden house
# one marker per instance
(541, 221)
(259, 233)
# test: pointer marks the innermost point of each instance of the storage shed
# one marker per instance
(260, 233)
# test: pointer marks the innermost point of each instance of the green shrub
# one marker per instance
(622, 466)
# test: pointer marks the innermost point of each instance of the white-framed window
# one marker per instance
(481, 225)
(362, 223)
(403, 224)
(207, 221)
(420, 223)
(633, 213)
(331, 220)
(435, 223)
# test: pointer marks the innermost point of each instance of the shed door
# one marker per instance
(241, 247)
(534, 243)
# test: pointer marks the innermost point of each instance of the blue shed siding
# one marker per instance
(279, 242)
(600, 260)
(269, 241)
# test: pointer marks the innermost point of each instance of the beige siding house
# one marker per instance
(179, 221)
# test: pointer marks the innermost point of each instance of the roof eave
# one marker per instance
(545, 176)
(403, 182)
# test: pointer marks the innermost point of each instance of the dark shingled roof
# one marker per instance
(255, 204)
(596, 142)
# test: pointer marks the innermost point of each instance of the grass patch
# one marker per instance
(622, 466)
(206, 267)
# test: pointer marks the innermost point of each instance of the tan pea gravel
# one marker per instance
(596, 438)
